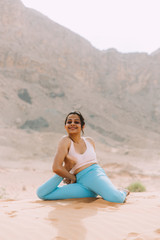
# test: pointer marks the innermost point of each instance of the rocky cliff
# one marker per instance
(47, 70)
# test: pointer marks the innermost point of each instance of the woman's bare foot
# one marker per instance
(69, 162)
(126, 191)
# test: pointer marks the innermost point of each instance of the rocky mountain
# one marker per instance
(47, 70)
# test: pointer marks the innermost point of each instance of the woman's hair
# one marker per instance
(80, 116)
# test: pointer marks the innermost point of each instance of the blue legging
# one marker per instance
(90, 182)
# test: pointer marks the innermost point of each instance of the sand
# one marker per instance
(78, 219)
(24, 216)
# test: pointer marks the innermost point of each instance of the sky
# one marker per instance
(126, 25)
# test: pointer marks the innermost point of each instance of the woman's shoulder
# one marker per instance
(90, 140)
(65, 140)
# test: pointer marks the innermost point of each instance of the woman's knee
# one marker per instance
(40, 194)
(117, 197)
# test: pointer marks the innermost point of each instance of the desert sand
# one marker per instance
(78, 219)
(24, 216)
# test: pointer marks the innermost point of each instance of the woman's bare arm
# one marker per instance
(60, 155)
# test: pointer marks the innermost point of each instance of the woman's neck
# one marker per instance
(75, 138)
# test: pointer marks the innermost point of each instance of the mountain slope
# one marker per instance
(47, 70)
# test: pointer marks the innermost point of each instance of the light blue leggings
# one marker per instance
(90, 182)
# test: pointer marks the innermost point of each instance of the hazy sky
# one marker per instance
(127, 25)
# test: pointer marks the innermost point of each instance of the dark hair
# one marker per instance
(80, 116)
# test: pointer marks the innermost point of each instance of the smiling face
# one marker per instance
(73, 124)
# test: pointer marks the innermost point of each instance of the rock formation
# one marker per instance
(47, 70)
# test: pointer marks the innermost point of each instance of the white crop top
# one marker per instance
(89, 156)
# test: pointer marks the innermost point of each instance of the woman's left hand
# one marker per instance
(67, 180)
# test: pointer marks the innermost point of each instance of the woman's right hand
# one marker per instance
(66, 180)
(69, 181)
(73, 180)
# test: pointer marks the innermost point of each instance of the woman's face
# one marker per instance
(73, 124)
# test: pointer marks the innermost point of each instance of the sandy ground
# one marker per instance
(24, 216)
(78, 219)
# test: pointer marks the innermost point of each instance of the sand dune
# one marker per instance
(24, 216)
(138, 219)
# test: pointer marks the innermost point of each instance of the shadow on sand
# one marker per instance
(68, 216)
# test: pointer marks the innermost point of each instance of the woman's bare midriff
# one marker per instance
(83, 167)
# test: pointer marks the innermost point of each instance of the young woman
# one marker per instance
(76, 164)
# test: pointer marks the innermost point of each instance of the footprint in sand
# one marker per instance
(157, 230)
(134, 236)
(59, 238)
(53, 219)
(12, 213)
